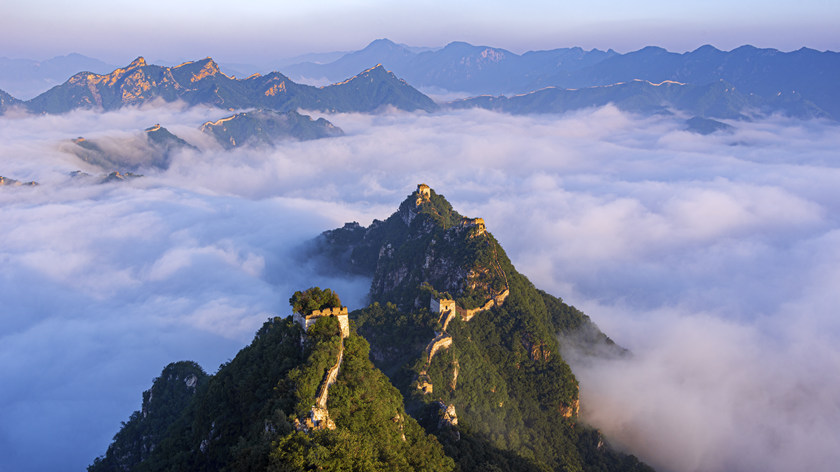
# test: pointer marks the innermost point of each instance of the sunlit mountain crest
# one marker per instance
(202, 82)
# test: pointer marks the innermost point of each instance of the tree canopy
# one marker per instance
(312, 299)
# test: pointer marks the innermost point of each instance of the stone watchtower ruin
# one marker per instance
(307, 320)
(424, 194)
(477, 223)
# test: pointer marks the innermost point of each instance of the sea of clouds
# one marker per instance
(714, 259)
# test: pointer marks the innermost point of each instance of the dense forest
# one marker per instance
(455, 364)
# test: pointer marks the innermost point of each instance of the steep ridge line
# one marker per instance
(320, 415)
(448, 309)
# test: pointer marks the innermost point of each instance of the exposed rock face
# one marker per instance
(571, 411)
(537, 350)
(448, 417)
(448, 420)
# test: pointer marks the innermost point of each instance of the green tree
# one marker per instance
(314, 298)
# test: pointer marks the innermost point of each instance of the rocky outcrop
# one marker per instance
(537, 350)
(572, 410)
(448, 419)
(5, 181)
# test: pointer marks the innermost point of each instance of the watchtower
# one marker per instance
(424, 194)
(339, 312)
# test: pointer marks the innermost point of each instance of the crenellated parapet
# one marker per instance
(477, 223)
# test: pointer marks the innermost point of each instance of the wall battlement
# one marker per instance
(474, 222)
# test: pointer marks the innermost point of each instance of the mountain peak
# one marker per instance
(458, 44)
(707, 48)
(373, 72)
(383, 42)
(195, 71)
(139, 62)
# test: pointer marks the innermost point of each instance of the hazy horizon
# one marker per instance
(279, 62)
(715, 259)
(254, 32)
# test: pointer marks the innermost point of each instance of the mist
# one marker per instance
(714, 259)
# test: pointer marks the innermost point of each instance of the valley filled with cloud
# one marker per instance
(714, 259)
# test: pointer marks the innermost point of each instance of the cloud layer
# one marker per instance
(714, 258)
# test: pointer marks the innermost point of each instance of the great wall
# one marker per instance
(448, 310)
(319, 416)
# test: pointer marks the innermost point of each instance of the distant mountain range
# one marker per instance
(458, 67)
(805, 76)
(155, 146)
(26, 78)
(201, 82)
(717, 99)
(708, 83)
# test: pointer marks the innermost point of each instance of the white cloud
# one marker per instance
(713, 257)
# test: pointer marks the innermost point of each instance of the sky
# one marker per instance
(260, 32)
(714, 259)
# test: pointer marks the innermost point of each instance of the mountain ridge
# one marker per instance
(157, 145)
(759, 82)
(203, 82)
(486, 381)
(469, 341)
(459, 67)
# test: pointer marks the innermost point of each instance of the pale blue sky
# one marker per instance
(260, 31)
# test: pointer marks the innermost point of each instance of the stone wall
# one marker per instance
(339, 312)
